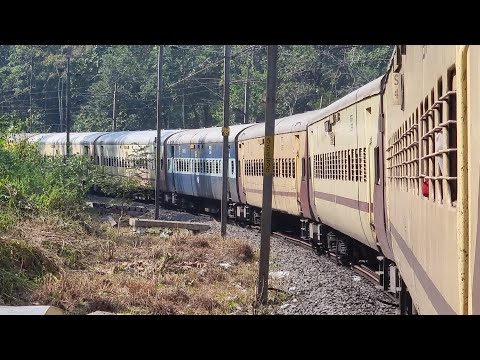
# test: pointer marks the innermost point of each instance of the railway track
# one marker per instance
(360, 269)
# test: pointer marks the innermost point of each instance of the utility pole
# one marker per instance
(183, 108)
(262, 291)
(31, 76)
(60, 100)
(247, 92)
(183, 99)
(114, 108)
(225, 133)
(67, 105)
(159, 130)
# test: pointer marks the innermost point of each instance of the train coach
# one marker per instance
(195, 167)
(431, 171)
(290, 192)
(342, 143)
(54, 144)
(128, 153)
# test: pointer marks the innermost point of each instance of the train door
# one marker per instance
(370, 140)
(297, 170)
(102, 156)
(172, 167)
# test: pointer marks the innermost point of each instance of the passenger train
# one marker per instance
(387, 174)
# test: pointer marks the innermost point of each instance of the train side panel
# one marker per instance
(196, 163)
(290, 172)
(420, 139)
(341, 151)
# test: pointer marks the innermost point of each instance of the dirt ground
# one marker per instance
(82, 267)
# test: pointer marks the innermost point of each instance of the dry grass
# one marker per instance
(118, 271)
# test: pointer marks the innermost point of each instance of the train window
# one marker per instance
(319, 173)
(335, 165)
(332, 174)
(423, 149)
(329, 155)
(350, 178)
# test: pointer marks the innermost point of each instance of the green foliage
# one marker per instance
(309, 77)
(32, 185)
(122, 187)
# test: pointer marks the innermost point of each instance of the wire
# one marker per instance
(207, 67)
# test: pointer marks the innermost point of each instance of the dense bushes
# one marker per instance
(33, 185)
